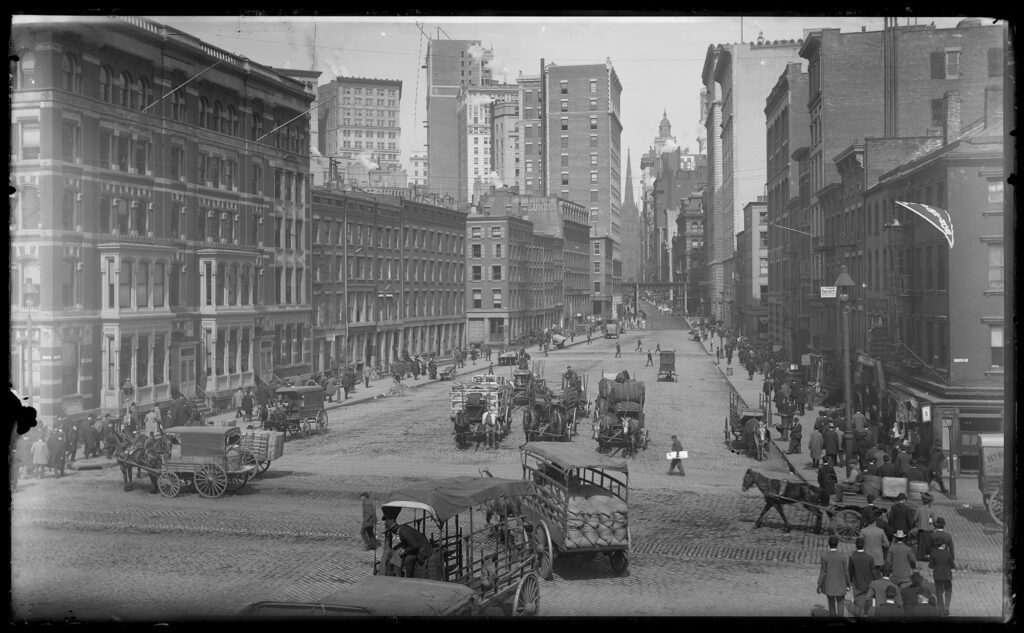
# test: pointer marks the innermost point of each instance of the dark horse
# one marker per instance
(778, 493)
(141, 450)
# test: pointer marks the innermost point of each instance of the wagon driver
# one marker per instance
(412, 544)
(489, 421)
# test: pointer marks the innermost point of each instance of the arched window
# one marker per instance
(124, 88)
(67, 211)
(106, 81)
(204, 112)
(70, 74)
(216, 121)
(30, 218)
(145, 90)
(257, 125)
(26, 70)
(232, 121)
(177, 106)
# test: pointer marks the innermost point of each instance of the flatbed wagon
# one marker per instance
(208, 459)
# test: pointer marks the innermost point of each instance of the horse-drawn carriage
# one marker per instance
(298, 411)
(581, 504)
(558, 341)
(469, 402)
(545, 418)
(522, 387)
(990, 474)
(667, 366)
(472, 567)
(619, 416)
(746, 429)
(209, 459)
(448, 373)
(510, 359)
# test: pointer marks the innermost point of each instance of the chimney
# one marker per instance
(993, 106)
(952, 131)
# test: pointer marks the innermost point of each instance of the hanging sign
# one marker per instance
(828, 292)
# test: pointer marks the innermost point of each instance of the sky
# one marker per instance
(658, 59)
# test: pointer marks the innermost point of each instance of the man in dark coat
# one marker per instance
(72, 437)
(57, 446)
(901, 516)
(903, 462)
(889, 609)
(832, 443)
(940, 536)
(412, 545)
(347, 382)
(918, 598)
(834, 578)
(109, 439)
(935, 468)
(247, 403)
(827, 479)
(901, 560)
(180, 412)
(888, 469)
(942, 566)
(91, 439)
(862, 574)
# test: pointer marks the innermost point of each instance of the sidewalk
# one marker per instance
(750, 392)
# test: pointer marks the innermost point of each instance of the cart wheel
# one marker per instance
(995, 506)
(211, 481)
(845, 524)
(249, 461)
(237, 481)
(305, 428)
(619, 561)
(168, 484)
(542, 545)
(263, 466)
(321, 422)
(527, 599)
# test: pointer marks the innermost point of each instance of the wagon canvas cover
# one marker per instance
(567, 456)
(448, 497)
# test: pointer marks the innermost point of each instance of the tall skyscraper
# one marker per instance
(473, 124)
(358, 125)
(451, 65)
(582, 161)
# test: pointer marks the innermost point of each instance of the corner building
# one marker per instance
(157, 228)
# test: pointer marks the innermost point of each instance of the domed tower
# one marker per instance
(664, 128)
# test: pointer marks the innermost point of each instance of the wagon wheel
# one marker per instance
(168, 484)
(321, 422)
(237, 481)
(210, 480)
(995, 506)
(294, 429)
(527, 598)
(845, 524)
(263, 465)
(570, 425)
(460, 439)
(542, 545)
(619, 561)
(305, 428)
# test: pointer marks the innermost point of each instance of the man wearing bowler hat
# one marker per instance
(412, 544)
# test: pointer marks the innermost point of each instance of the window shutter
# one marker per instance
(938, 65)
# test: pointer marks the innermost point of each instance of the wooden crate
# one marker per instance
(892, 486)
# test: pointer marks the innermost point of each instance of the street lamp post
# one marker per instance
(843, 285)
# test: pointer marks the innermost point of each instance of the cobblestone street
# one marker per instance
(82, 547)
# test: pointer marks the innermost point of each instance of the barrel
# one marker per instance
(631, 391)
(915, 488)
(872, 485)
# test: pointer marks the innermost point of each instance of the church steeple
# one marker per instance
(628, 195)
(664, 128)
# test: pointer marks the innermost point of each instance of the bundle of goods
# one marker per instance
(609, 424)
(594, 518)
(263, 444)
(629, 391)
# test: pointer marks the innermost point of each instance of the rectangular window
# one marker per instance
(158, 285)
(495, 273)
(30, 140)
(496, 298)
(995, 266)
(995, 191)
(496, 232)
(142, 360)
(597, 287)
(995, 62)
(593, 159)
(593, 105)
(593, 177)
(565, 126)
(159, 349)
(565, 160)
(71, 141)
(938, 112)
(597, 248)
(565, 105)
(476, 250)
(477, 273)
(498, 251)
(476, 232)
(593, 86)
(478, 301)
(593, 195)
(564, 142)
(125, 286)
(565, 178)
(952, 64)
(597, 267)
(996, 336)
(593, 122)
(564, 85)
(593, 140)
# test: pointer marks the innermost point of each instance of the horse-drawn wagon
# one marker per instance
(545, 418)
(510, 359)
(990, 474)
(471, 567)
(209, 459)
(746, 429)
(469, 402)
(298, 411)
(581, 505)
(619, 413)
(667, 366)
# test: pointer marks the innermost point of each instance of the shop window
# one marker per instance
(996, 344)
